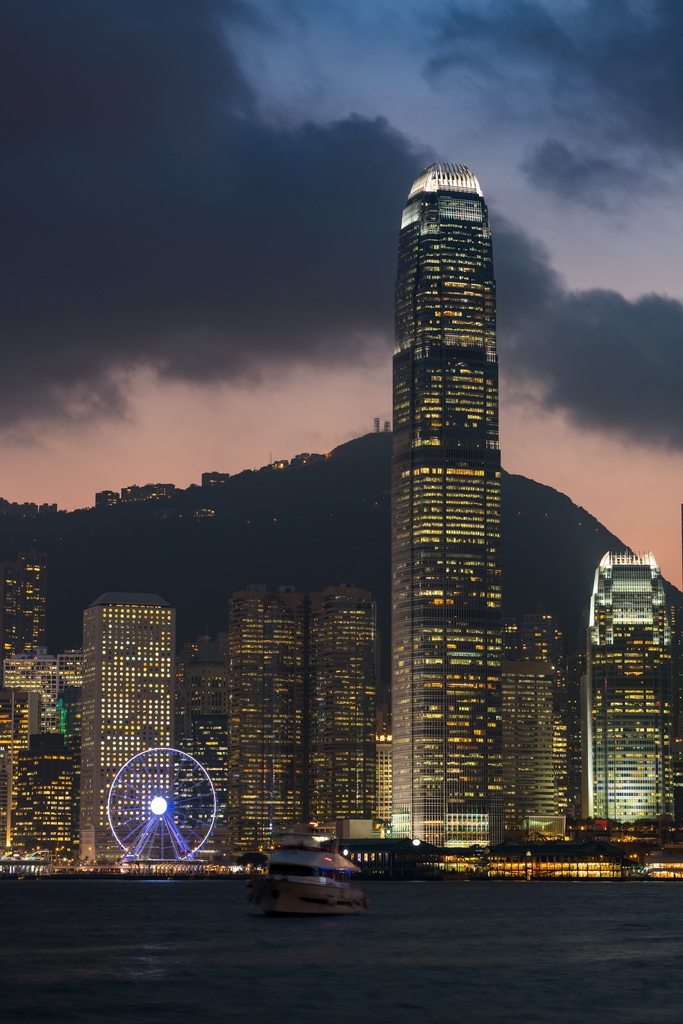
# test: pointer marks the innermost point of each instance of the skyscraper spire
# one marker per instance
(446, 586)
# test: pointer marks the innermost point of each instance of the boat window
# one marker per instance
(291, 869)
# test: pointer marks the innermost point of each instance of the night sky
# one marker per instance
(201, 203)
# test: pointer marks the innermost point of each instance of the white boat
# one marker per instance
(307, 875)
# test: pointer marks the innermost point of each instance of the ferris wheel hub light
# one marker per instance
(158, 805)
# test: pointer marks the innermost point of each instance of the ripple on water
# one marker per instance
(127, 952)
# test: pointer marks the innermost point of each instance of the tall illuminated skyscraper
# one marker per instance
(128, 679)
(627, 698)
(446, 569)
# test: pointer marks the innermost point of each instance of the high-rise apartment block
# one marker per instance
(446, 561)
(23, 596)
(341, 708)
(203, 724)
(627, 700)
(302, 679)
(37, 672)
(540, 639)
(267, 638)
(128, 683)
(44, 798)
(19, 720)
(527, 712)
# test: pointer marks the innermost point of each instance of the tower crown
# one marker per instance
(612, 558)
(446, 178)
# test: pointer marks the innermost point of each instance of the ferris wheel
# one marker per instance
(161, 806)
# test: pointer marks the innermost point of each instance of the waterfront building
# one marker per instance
(128, 683)
(266, 649)
(302, 709)
(23, 597)
(19, 719)
(542, 640)
(43, 798)
(203, 722)
(341, 704)
(527, 721)
(547, 859)
(384, 779)
(446, 562)
(627, 699)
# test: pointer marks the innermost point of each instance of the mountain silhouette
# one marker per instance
(310, 525)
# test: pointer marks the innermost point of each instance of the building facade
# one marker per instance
(37, 672)
(266, 649)
(527, 713)
(23, 599)
(203, 722)
(446, 563)
(627, 698)
(44, 804)
(302, 709)
(128, 683)
(341, 704)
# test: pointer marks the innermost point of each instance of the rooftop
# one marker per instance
(116, 597)
(612, 558)
(446, 178)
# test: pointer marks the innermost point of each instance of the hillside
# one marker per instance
(311, 526)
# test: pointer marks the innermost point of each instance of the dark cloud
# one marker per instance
(609, 363)
(606, 73)
(592, 180)
(152, 219)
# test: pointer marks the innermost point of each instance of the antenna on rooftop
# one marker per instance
(377, 424)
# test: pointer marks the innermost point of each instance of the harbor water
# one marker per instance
(85, 951)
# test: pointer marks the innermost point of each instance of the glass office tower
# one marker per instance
(627, 693)
(446, 570)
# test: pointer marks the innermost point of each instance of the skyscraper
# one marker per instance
(19, 720)
(43, 798)
(527, 720)
(266, 647)
(205, 722)
(128, 676)
(23, 597)
(302, 709)
(37, 672)
(627, 701)
(542, 640)
(341, 709)
(446, 569)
